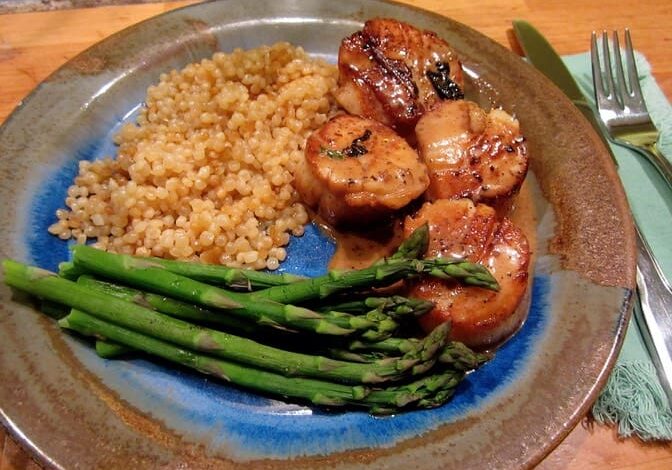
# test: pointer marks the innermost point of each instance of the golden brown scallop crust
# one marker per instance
(389, 72)
(459, 228)
(470, 153)
(357, 170)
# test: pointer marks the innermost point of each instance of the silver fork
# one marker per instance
(625, 115)
(621, 105)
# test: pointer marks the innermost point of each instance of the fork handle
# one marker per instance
(656, 157)
(655, 316)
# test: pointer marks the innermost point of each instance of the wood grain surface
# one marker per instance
(32, 45)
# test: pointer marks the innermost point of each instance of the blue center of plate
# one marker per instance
(245, 425)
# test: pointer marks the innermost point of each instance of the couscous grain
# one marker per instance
(206, 172)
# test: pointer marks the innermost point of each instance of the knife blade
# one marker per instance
(542, 55)
(655, 315)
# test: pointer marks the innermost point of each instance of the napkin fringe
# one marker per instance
(634, 400)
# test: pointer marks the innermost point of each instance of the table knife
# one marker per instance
(655, 315)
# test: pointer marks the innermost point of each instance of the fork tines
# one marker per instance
(614, 94)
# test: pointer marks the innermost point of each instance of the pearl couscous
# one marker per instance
(206, 172)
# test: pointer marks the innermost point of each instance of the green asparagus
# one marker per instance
(394, 306)
(151, 274)
(163, 304)
(461, 357)
(453, 353)
(110, 350)
(147, 275)
(241, 279)
(427, 390)
(376, 325)
(414, 246)
(68, 270)
(385, 273)
(247, 279)
(235, 278)
(47, 285)
(362, 361)
(352, 356)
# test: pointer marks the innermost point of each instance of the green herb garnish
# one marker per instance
(334, 154)
(355, 149)
(444, 86)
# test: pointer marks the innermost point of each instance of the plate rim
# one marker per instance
(626, 304)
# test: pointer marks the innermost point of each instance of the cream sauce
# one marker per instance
(359, 249)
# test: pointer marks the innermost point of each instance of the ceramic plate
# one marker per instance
(71, 408)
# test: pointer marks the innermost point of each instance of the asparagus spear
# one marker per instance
(111, 350)
(404, 263)
(427, 392)
(148, 275)
(195, 313)
(390, 399)
(351, 356)
(414, 247)
(375, 325)
(384, 273)
(454, 354)
(395, 306)
(49, 286)
(388, 345)
(247, 279)
(379, 326)
(163, 304)
(439, 398)
(461, 357)
(242, 279)
(68, 270)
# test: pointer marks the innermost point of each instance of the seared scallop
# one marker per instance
(393, 72)
(470, 153)
(357, 170)
(460, 228)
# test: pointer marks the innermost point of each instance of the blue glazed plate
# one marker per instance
(69, 407)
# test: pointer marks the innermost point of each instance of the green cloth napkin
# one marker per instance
(633, 398)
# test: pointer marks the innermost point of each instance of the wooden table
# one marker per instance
(32, 45)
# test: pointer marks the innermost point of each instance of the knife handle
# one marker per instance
(656, 312)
